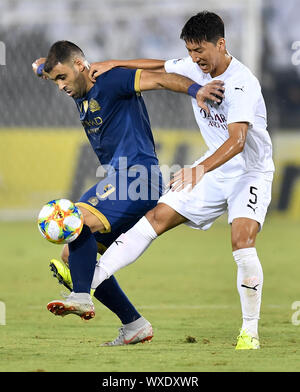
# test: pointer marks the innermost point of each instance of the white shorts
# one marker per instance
(246, 196)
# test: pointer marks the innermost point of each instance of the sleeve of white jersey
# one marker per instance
(241, 97)
(179, 66)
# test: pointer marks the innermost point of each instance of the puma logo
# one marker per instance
(249, 287)
(252, 208)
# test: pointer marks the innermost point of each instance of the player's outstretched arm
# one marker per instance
(37, 67)
(174, 82)
(99, 68)
(230, 148)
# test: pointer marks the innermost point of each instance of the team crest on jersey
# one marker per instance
(94, 106)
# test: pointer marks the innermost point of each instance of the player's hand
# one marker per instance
(35, 65)
(96, 69)
(213, 91)
(187, 177)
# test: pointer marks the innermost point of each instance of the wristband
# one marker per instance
(193, 89)
(39, 70)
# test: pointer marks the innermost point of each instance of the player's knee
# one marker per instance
(243, 233)
(242, 240)
(155, 217)
(163, 218)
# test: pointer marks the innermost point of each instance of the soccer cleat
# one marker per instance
(74, 304)
(62, 272)
(129, 336)
(246, 342)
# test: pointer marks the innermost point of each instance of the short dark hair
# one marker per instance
(61, 52)
(205, 26)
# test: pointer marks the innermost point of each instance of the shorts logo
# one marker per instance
(108, 190)
(94, 106)
(252, 208)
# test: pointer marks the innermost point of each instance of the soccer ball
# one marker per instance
(60, 221)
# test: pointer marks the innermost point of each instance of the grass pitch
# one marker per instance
(185, 284)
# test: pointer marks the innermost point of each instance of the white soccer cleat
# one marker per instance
(78, 304)
(132, 336)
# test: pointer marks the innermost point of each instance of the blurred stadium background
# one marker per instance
(43, 150)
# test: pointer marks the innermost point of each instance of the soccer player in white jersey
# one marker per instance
(234, 176)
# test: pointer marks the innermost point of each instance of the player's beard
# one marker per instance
(79, 86)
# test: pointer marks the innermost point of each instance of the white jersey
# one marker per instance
(243, 102)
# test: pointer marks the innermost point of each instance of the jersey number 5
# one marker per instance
(253, 200)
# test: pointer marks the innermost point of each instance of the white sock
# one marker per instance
(124, 251)
(249, 274)
(139, 323)
(80, 297)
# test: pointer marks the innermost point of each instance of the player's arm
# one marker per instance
(38, 67)
(99, 68)
(174, 82)
(232, 146)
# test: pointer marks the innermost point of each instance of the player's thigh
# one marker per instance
(92, 210)
(92, 220)
(248, 201)
(199, 207)
(113, 204)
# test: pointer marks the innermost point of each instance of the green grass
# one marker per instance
(185, 284)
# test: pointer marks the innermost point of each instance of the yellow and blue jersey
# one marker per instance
(116, 122)
(115, 119)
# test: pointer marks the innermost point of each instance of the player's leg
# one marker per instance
(82, 260)
(135, 328)
(247, 205)
(199, 208)
(109, 294)
(249, 273)
(130, 246)
(83, 253)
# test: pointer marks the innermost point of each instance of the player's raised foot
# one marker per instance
(79, 304)
(62, 273)
(130, 335)
(246, 342)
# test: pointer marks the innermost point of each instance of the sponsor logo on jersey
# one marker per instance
(94, 122)
(217, 120)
